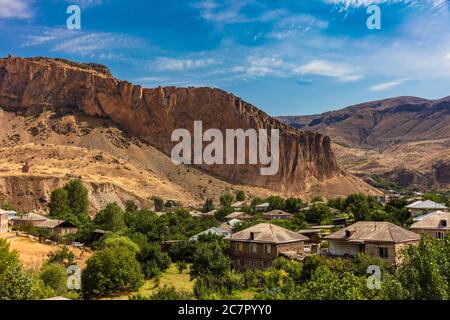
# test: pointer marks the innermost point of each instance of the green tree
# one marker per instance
(111, 218)
(158, 202)
(109, 271)
(275, 203)
(425, 271)
(59, 206)
(55, 277)
(63, 256)
(208, 206)
(293, 205)
(319, 213)
(153, 261)
(7, 256)
(78, 200)
(209, 259)
(328, 285)
(226, 200)
(116, 241)
(240, 195)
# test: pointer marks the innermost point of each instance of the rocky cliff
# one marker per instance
(36, 85)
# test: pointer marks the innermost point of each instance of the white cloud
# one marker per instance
(325, 68)
(82, 43)
(364, 3)
(231, 11)
(295, 25)
(15, 9)
(388, 85)
(260, 67)
(171, 64)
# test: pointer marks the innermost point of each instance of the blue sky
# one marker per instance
(288, 57)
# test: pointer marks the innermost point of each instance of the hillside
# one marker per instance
(77, 120)
(405, 139)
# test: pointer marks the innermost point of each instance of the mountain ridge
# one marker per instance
(368, 137)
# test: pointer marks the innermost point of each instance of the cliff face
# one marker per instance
(35, 85)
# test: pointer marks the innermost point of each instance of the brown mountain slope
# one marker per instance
(52, 103)
(406, 139)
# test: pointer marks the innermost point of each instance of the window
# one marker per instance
(253, 248)
(383, 252)
(440, 235)
(254, 263)
(268, 248)
(241, 262)
(240, 246)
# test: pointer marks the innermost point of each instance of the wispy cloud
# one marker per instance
(232, 11)
(325, 68)
(388, 85)
(99, 44)
(171, 64)
(364, 3)
(19, 9)
(260, 66)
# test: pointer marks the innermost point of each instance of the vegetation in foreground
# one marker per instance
(129, 258)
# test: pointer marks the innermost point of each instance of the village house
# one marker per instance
(435, 224)
(229, 225)
(30, 219)
(59, 227)
(277, 215)
(419, 208)
(215, 231)
(239, 205)
(239, 215)
(258, 246)
(376, 239)
(3, 221)
(314, 235)
(262, 207)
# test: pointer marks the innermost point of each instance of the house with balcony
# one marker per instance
(258, 246)
(384, 240)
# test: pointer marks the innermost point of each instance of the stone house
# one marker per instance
(277, 215)
(238, 215)
(384, 240)
(258, 246)
(59, 227)
(435, 224)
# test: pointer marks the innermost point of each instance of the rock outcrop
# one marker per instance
(35, 85)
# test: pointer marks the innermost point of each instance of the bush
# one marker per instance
(55, 277)
(152, 260)
(63, 256)
(111, 270)
(111, 218)
(158, 202)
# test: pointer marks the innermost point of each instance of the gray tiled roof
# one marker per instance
(265, 232)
